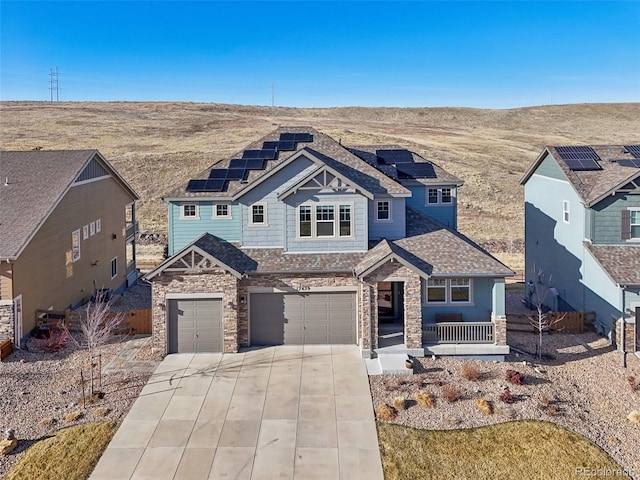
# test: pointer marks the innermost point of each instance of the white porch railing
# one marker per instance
(458, 332)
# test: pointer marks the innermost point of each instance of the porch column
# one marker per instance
(412, 311)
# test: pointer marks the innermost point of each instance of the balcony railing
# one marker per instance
(458, 332)
(132, 230)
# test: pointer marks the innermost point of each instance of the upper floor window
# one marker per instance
(221, 211)
(631, 224)
(439, 195)
(316, 221)
(635, 224)
(75, 245)
(114, 267)
(383, 210)
(565, 211)
(448, 290)
(189, 210)
(98, 225)
(258, 214)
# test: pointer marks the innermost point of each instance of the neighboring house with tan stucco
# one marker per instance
(67, 227)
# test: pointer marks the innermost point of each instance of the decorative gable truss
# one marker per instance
(192, 260)
(324, 178)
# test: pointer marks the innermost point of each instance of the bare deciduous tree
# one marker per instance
(96, 327)
(541, 321)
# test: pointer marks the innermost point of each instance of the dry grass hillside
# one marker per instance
(157, 145)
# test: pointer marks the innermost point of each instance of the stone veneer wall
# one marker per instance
(500, 329)
(626, 335)
(212, 282)
(393, 271)
(6, 321)
(284, 281)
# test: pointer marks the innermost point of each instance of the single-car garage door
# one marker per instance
(195, 325)
(299, 319)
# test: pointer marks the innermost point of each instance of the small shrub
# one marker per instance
(544, 400)
(506, 396)
(484, 406)
(424, 399)
(400, 403)
(47, 422)
(514, 377)
(551, 410)
(74, 416)
(450, 393)
(635, 385)
(385, 412)
(470, 372)
(634, 417)
(101, 412)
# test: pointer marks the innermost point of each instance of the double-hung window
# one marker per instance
(565, 211)
(114, 267)
(324, 221)
(383, 210)
(432, 196)
(446, 195)
(448, 290)
(258, 214)
(439, 196)
(635, 224)
(75, 245)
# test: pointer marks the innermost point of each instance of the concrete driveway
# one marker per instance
(272, 413)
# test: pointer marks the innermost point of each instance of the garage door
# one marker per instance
(298, 319)
(195, 325)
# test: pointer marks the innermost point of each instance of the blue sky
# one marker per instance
(321, 54)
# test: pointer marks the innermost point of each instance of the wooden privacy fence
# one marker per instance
(573, 322)
(6, 349)
(135, 321)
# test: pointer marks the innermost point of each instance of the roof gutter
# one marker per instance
(297, 272)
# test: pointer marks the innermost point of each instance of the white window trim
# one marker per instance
(390, 219)
(447, 293)
(92, 229)
(228, 216)
(85, 232)
(76, 233)
(194, 217)
(98, 225)
(336, 221)
(114, 259)
(264, 223)
(631, 225)
(566, 211)
(439, 202)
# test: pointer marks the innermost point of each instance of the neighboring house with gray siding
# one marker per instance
(67, 227)
(582, 230)
(306, 241)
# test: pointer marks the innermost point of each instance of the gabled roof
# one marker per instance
(368, 154)
(387, 251)
(323, 148)
(620, 262)
(36, 181)
(593, 185)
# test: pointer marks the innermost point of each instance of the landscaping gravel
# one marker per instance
(583, 388)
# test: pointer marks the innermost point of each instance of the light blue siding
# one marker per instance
(550, 168)
(608, 218)
(392, 229)
(444, 213)
(184, 231)
(358, 241)
(479, 311)
(273, 233)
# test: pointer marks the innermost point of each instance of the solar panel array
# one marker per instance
(629, 162)
(405, 166)
(580, 158)
(633, 150)
(239, 168)
(416, 170)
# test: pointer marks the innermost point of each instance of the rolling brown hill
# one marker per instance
(157, 145)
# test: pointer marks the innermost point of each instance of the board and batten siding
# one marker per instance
(607, 218)
(392, 229)
(478, 311)
(443, 213)
(183, 231)
(358, 241)
(45, 274)
(273, 233)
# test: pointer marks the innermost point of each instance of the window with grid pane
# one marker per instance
(257, 214)
(436, 290)
(305, 220)
(383, 210)
(460, 291)
(635, 224)
(446, 195)
(324, 220)
(345, 220)
(433, 195)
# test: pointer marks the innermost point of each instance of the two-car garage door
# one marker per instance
(302, 318)
(195, 325)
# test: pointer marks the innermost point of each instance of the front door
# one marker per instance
(390, 314)
(17, 320)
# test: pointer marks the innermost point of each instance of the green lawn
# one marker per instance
(520, 450)
(69, 454)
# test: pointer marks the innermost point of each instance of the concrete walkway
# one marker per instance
(272, 413)
(126, 357)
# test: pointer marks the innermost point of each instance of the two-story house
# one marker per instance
(67, 228)
(582, 230)
(298, 239)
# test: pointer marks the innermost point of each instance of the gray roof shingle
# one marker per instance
(621, 262)
(36, 181)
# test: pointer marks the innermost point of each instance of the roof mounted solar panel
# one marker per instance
(633, 150)
(583, 165)
(388, 157)
(577, 153)
(252, 164)
(236, 174)
(629, 162)
(215, 185)
(206, 185)
(196, 185)
(218, 173)
(270, 145)
(286, 145)
(416, 170)
(268, 154)
(287, 137)
(238, 163)
(303, 137)
(251, 154)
